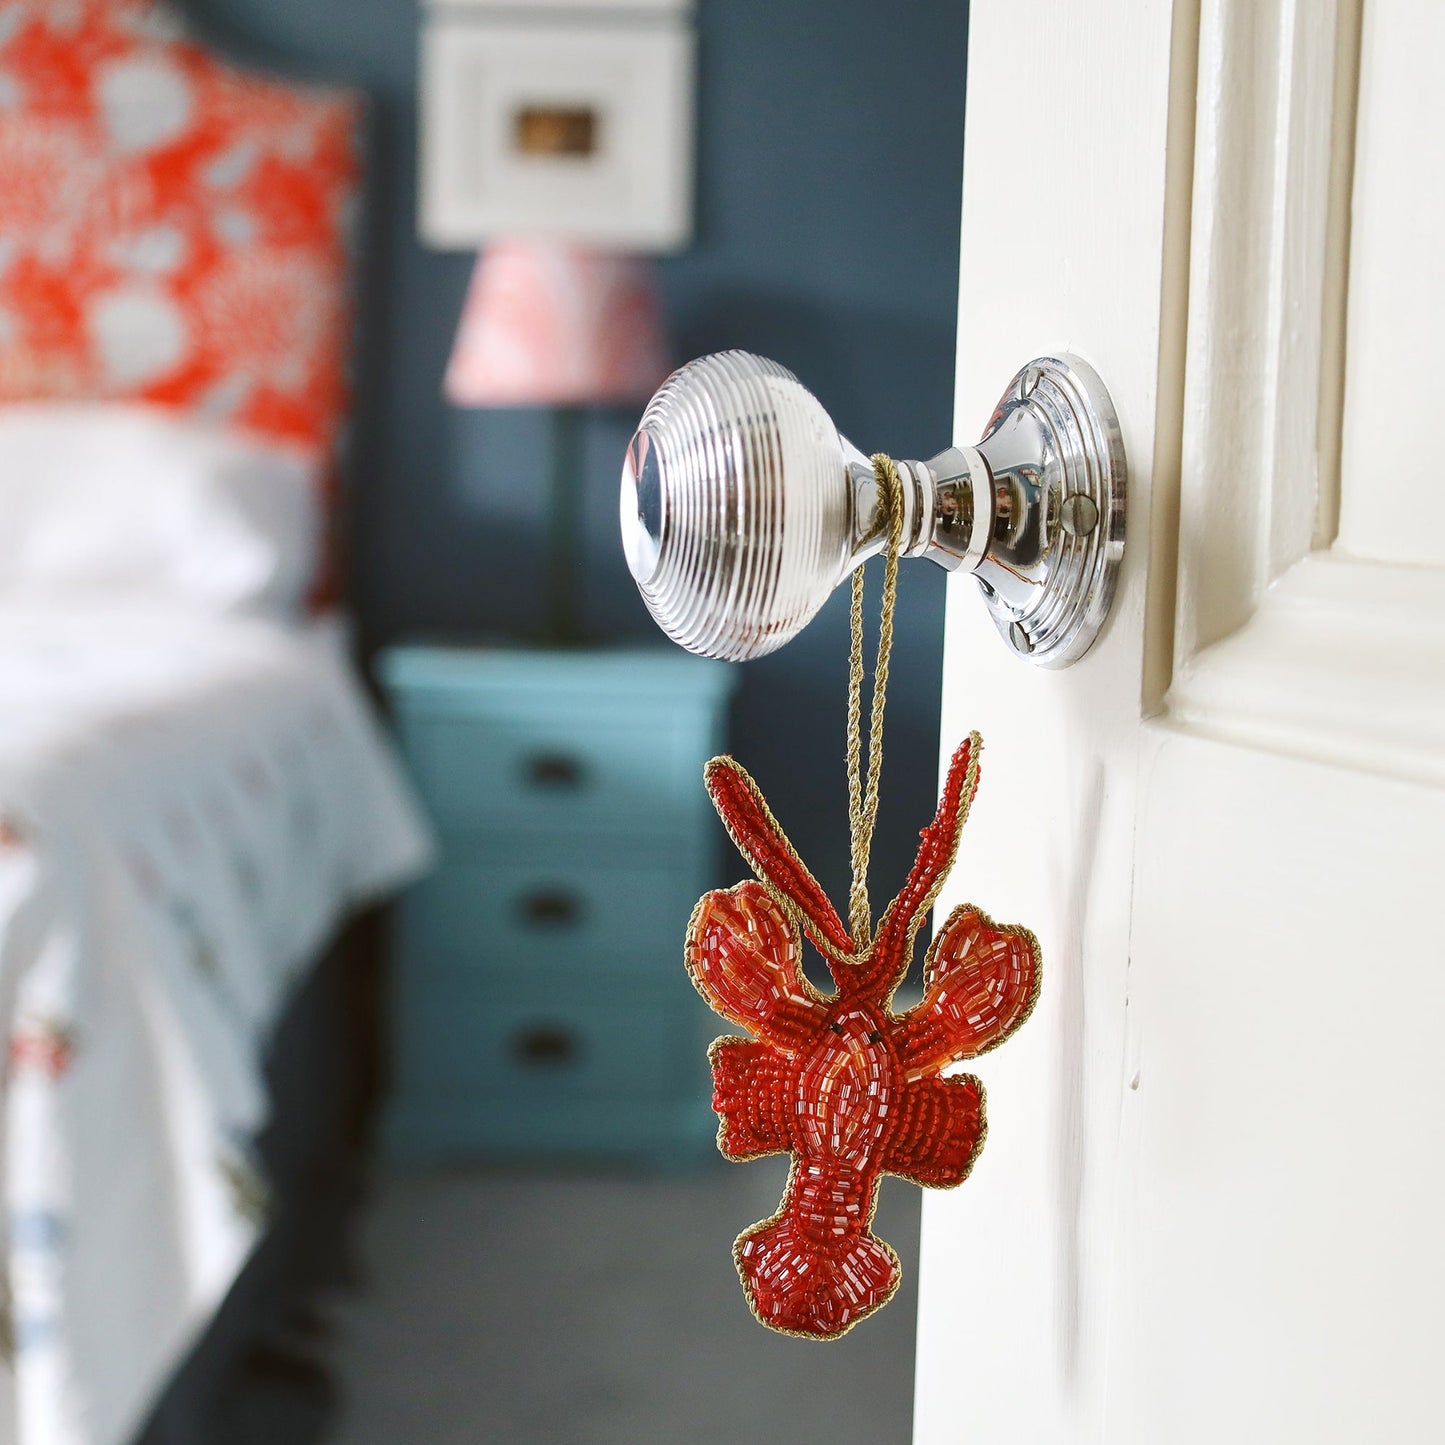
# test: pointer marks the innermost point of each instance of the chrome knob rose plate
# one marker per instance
(743, 507)
(1056, 456)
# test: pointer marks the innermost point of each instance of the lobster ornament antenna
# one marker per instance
(848, 1088)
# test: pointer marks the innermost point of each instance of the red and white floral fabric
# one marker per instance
(172, 230)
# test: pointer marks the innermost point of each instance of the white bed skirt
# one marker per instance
(188, 809)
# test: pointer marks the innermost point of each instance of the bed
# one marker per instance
(194, 793)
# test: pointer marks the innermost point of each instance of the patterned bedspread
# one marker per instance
(188, 807)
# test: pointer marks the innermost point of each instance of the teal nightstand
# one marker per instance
(540, 1004)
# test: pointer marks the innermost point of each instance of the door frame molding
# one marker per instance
(1281, 639)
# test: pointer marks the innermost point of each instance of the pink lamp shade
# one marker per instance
(548, 324)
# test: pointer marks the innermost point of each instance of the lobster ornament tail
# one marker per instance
(815, 1279)
(848, 1088)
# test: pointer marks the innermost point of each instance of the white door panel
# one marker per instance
(1282, 1273)
(1062, 249)
(1396, 301)
(1207, 1207)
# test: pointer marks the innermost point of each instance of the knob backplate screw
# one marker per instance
(1078, 514)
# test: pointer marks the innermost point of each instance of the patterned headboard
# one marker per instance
(172, 229)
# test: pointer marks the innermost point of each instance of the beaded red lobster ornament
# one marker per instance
(850, 1089)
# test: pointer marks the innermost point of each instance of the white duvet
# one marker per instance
(188, 807)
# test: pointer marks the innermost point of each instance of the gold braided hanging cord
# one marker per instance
(863, 795)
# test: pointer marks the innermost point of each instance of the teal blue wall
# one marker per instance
(829, 161)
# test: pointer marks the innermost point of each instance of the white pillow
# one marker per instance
(134, 500)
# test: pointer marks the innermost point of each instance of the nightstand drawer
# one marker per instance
(499, 1046)
(525, 915)
(548, 772)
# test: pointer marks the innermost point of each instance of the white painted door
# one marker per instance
(1212, 1202)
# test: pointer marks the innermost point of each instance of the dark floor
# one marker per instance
(557, 1308)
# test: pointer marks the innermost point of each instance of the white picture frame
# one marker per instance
(615, 99)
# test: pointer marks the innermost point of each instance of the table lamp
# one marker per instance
(555, 325)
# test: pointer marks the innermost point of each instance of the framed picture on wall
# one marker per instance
(554, 127)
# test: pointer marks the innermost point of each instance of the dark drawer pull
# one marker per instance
(555, 770)
(552, 909)
(546, 1047)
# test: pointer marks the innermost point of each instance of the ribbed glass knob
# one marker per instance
(742, 507)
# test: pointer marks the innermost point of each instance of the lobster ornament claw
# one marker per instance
(851, 1090)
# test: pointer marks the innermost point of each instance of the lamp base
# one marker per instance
(564, 526)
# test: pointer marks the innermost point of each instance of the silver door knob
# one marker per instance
(743, 508)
